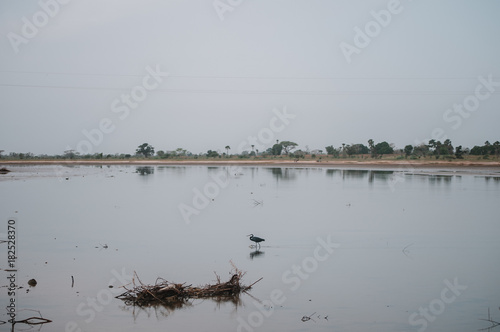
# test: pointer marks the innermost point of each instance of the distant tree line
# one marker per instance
(348, 150)
(433, 148)
(487, 149)
(446, 150)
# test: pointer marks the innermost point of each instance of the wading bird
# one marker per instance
(255, 239)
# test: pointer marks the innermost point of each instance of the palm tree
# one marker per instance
(371, 144)
(227, 150)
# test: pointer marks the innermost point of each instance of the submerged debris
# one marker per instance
(307, 318)
(172, 294)
(491, 321)
(4, 170)
(257, 203)
(310, 317)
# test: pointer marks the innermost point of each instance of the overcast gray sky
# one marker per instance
(344, 71)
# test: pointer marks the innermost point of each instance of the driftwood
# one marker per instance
(34, 321)
(29, 321)
(175, 295)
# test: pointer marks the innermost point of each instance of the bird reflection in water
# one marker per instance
(256, 253)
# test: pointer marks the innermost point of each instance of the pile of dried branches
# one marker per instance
(4, 170)
(169, 293)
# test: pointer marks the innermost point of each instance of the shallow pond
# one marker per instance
(345, 249)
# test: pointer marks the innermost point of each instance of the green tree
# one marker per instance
(408, 150)
(276, 149)
(227, 150)
(71, 154)
(180, 152)
(447, 148)
(477, 151)
(288, 146)
(442, 149)
(359, 149)
(459, 152)
(373, 151)
(212, 154)
(383, 148)
(145, 149)
(421, 150)
(437, 148)
(349, 150)
(432, 145)
(496, 147)
(298, 154)
(332, 151)
(488, 148)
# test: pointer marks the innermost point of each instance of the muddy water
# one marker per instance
(344, 250)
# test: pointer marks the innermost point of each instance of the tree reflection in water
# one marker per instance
(145, 170)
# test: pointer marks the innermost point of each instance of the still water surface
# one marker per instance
(364, 250)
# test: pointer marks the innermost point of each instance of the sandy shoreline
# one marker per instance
(392, 164)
